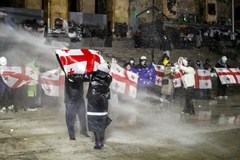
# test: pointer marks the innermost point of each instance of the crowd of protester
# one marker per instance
(94, 115)
(33, 94)
(188, 67)
(27, 96)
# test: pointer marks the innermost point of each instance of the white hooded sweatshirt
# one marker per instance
(188, 78)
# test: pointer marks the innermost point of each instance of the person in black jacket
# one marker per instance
(222, 88)
(75, 105)
(97, 95)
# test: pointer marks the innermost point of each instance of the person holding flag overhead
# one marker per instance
(97, 95)
(85, 65)
(76, 61)
(75, 105)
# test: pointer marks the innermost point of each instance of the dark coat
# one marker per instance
(220, 64)
(97, 95)
(73, 92)
(99, 83)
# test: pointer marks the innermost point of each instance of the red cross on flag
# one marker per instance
(17, 76)
(177, 80)
(159, 74)
(52, 83)
(79, 61)
(124, 81)
(228, 75)
(203, 79)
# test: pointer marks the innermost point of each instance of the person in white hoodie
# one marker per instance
(188, 80)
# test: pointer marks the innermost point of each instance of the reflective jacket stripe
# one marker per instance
(97, 113)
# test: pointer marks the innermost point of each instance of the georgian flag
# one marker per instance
(177, 79)
(124, 81)
(159, 74)
(52, 83)
(78, 61)
(17, 76)
(228, 75)
(203, 79)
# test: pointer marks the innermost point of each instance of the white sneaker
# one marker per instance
(32, 109)
(219, 97)
(3, 109)
(161, 100)
(11, 107)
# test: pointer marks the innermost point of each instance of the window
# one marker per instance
(211, 9)
(101, 6)
(72, 5)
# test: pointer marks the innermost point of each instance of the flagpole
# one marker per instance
(152, 8)
(153, 18)
(233, 29)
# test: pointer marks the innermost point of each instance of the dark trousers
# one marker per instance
(73, 109)
(188, 101)
(221, 89)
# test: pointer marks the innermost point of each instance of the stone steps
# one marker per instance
(124, 54)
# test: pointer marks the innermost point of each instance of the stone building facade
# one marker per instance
(212, 11)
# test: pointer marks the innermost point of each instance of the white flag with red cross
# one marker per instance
(17, 76)
(177, 79)
(159, 74)
(203, 79)
(228, 75)
(79, 61)
(52, 83)
(124, 81)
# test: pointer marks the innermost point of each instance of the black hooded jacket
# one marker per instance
(73, 91)
(99, 83)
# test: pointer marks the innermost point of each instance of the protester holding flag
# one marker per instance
(146, 73)
(167, 81)
(164, 57)
(82, 65)
(75, 105)
(207, 66)
(199, 92)
(32, 90)
(188, 82)
(5, 91)
(98, 95)
(132, 62)
(222, 88)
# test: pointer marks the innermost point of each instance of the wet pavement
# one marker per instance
(141, 130)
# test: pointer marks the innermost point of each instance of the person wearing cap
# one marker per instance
(98, 95)
(167, 81)
(188, 80)
(222, 88)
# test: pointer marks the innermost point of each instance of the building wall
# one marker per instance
(225, 12)
(55, 9)
(211, 18)
(167, 12)
(88, 6)
(33, 4)
(126, 10)
(121, 10)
